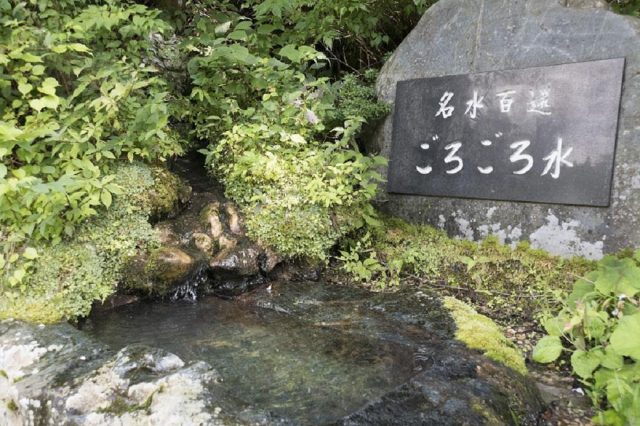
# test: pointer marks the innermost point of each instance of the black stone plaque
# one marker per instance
(543, 134)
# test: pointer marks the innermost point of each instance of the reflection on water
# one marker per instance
(268, 360)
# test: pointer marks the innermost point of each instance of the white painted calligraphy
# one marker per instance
(445, 109)
(520, 146)
(556, 159)
(451, 157)
(506, 100)
(425, 170)
(489, 169)
(540, 103)
(473, 105)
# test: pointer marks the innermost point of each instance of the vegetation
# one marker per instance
(77, 95)
(626, 7)
(510, 284)
(65, 279)
(283, 135)
(479, 332)
(599, 323)
(262, 88)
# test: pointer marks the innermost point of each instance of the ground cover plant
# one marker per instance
(598, 329)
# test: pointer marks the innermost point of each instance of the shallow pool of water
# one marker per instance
(269, 361)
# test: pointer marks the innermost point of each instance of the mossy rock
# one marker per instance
(66, 278)
(480, 332)
(158, 273)
(168, 194)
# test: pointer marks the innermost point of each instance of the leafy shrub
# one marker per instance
(77, 95)
(282, 137)
(65, 279)
(600, 323)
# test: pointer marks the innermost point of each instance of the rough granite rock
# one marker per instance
(467, 36)
(57, 375)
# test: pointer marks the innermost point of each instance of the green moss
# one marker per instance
(121, 406)
(479, 332)
(489, 417)
(68, 277)
(12, 406)
(520, 282)
(168, 192)
(303, 231)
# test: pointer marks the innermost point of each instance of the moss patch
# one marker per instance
(480, 332)
(508, 283)
(68, 277)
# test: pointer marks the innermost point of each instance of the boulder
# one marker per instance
(469, 36)
(57, 375)
(161, 272)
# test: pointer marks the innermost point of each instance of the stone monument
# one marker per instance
(475, 37)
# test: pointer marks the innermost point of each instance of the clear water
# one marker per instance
(304, 371)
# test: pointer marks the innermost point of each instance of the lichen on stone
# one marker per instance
(479, 332)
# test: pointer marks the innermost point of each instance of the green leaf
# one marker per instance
(18, 275)
(24, 88)
(105, 198)
(51, 102)
(3, 171)
(223, 28)
(290, 52)
(237, 35)
(554, 326)
(611, 359)
(548, 349)
(30, 253)
(48, 86)
(78, 47)
(37, 70)
(625, 339)
(581, 289)
(297, 139)
(8, 131)
(585, 362)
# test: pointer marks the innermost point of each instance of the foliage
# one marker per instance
(282, 136)
(66, 278)
(600, 322)
(626, 7)
(77, 94)
(479, 332)
(506, 281)
(81, 93)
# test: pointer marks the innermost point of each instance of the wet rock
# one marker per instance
(227, 243)
(234, 219)
(169, 194)
(115, 300)
(270, 260)
(55, 375)
(237, 270)
(239, 262)
(211, 216)
(171, 264)
(166, 234)
(160, 273)
(203, 242)
(233, 287)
